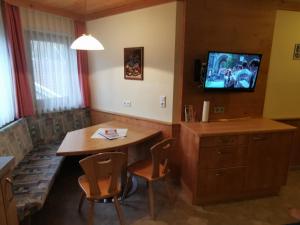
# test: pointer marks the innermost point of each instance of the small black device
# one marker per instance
(197, 70)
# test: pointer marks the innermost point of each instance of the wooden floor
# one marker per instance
(62, 202)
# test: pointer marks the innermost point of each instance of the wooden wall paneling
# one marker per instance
(237, 26)
(100, 117)
(189, 151)
(179, 60)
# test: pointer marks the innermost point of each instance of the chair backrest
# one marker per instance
(104, 166)
(160, 157)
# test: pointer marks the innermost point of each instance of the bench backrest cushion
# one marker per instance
(15, 140)
(52, 127)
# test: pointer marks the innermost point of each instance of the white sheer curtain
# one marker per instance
(51, 61)
(7, 96)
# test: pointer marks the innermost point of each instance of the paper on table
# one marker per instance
(121, 131)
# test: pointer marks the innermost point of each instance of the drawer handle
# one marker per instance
(259, 138)
(223, 153)
(226, 140)
(10, 183)
(219, 174)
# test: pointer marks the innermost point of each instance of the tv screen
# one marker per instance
(231, 71)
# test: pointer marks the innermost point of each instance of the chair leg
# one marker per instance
(81, 201)
(119, 211)
(126, 188)
(27, 220)
(151, 199)
(169, 190)
(91, 213)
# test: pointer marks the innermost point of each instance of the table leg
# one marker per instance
(124, 171)
(128, 183)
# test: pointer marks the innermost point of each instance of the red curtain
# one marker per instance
(83, 69)
(15, 40)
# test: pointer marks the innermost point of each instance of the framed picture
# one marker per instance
(297, 51)
(134, 63)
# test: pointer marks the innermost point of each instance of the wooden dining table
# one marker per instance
(79, 142)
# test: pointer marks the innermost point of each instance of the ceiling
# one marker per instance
(86, 9)
(92, 9)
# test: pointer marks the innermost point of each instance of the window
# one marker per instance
(51, 61)
(7, 96)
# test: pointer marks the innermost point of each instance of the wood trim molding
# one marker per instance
(286, 118)
(45, 8)
(133, 117)
(126, 8)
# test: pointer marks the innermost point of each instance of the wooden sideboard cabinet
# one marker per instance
(237, 159)
(8, 211)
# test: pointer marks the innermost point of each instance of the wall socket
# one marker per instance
(126, 103)
(219, 109)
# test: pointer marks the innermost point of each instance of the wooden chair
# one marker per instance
(154, 169)
(102, 180)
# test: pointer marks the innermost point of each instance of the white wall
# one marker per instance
(153, 28)
(283, 86)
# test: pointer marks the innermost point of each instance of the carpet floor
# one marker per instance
(62, 202)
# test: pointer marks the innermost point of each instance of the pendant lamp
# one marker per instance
(87, 41)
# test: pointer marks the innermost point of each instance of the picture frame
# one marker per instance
(134, 63)
(296, 55)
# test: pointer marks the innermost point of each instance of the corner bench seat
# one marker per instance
(33, 142)
(33, 178)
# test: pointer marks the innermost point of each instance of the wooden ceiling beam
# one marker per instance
(125, 8)
(46, 8)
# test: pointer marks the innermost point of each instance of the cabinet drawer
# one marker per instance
(221, 184)
(261, 137)
(224, 140)
(222, 157)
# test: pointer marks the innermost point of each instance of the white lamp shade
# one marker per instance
(87, 42)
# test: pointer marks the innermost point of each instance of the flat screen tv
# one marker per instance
(231, 71)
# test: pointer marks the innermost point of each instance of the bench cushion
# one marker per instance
(52, 127)
(33, 178)
(15, 140)
(33, 142)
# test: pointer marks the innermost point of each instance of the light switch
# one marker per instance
(163, 101)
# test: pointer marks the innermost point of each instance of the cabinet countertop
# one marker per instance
(237, 126)
(5, 163)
